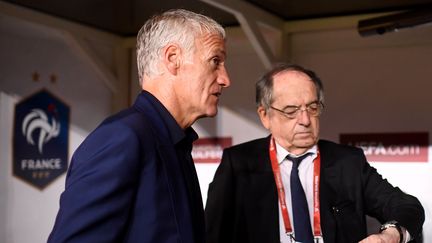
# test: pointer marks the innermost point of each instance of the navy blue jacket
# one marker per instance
(125, 184)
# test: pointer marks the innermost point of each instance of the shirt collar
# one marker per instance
(176, 133)
(282, 153)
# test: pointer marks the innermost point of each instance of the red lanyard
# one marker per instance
(281, 191)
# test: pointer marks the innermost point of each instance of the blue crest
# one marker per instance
(40, 139)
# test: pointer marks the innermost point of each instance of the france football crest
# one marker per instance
(40, 139)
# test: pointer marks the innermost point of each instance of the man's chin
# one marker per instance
(306, 142)
(212, 112)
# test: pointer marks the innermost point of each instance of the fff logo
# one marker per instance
(41, 138)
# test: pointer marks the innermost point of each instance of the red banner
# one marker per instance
(209, 150)
(391, 147)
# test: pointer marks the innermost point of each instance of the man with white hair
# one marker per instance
(133, 178)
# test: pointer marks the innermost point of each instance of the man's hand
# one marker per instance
(390, 235)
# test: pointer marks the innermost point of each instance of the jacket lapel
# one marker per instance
(171, 169)
(177, 186)
(264, 223)
(328, 191)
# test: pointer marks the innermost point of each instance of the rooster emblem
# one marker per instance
(36, 120)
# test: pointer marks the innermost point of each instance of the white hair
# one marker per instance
(174, 26)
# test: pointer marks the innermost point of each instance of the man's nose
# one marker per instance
(303, 117)
(223, 78)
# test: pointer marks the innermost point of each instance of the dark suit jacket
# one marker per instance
(125, 184)
(242, 203)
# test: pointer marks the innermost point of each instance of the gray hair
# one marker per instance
(264, 86)
(173, 26)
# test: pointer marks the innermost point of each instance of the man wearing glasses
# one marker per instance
(293, 187)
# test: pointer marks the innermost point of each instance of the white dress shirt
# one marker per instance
(306, 170)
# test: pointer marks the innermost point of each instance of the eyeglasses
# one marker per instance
(313, 109)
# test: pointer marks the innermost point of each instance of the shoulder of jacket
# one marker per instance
(324, 144)
(338, 150)
(252, 144)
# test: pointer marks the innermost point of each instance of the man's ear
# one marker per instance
(172, 57)
(264, 116)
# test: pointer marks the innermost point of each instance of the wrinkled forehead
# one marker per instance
(292, 79)
(292, 74)
(293, 85)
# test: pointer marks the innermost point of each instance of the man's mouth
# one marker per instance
(217, 94)
(303, 133)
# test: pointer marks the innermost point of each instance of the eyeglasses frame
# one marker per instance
(294, 114)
